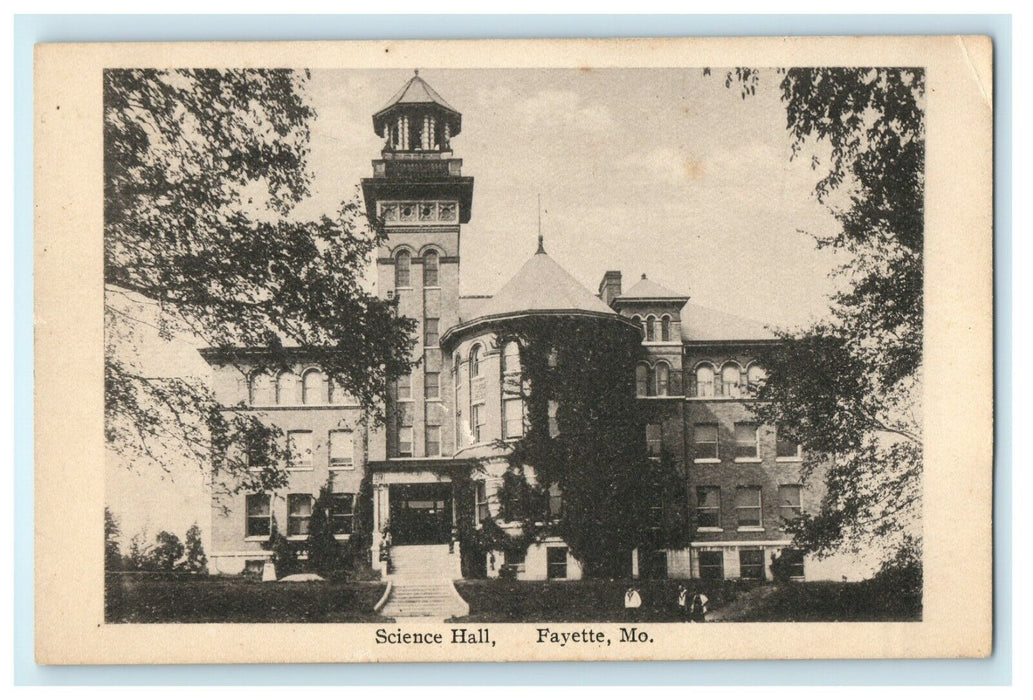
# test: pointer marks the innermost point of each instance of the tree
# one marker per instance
(849, 388)
(195, 561)
(112, 552)
(203, 169)
(324, 554)
(581, 470)
(167, 552)
(138, 557)
(285, 554)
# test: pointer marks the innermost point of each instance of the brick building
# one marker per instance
(453, 411)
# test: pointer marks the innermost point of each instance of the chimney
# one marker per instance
(610, 287)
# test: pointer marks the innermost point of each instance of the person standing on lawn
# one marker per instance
(698, 608)
(683, 606)
(632, 601)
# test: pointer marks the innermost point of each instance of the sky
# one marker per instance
(659, 171)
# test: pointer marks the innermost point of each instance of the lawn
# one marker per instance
(142, 599)
(498, 600)
(730, 601)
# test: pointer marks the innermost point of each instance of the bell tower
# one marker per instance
(421, 198)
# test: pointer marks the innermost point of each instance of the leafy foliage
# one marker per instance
(167, 552)
(324, 555)
(849, 388)
(195, 560)
(112, 551)
(285, 552)
(593, 450)
(203, 169)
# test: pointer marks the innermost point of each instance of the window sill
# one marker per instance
(750, 528)
(710, 529)
(707, 460)
(342, 467)
(256, 538)
(301, 469)
(297, 538)
(342, 538)
(748, 460)
(789, 459)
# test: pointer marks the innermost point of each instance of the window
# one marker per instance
(433, 446)
(704, 380)
(663, 378)
(477, 421)
(430, 332)
(730, 376)
(751, 564)
(746, 441)
(342, 513)
(711, 565)
(704, 441)
(402, 261)
(755, 376)
(481, 501)
(475, 362)
(665, 329)
(286, 388)
(556, 562)
(431, 385)
(299, 514)
(790, 505)
(793, 560)
(747, 506)
(313, 388)
(554, 424)
(404, 441)
(786, 449)
(259, 515)
(430, 269)
(637, 320)
(708, 506)
(342, 449)
(555, 501)
(654, 438)
(511, 358)
(262, 389)
(299, 449)
(403, 387)
(642, 380)
(650, 329)
(513, 417)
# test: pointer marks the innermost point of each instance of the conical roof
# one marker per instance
(541, 285)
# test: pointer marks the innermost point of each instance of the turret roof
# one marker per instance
(416, 91)
(648, 289)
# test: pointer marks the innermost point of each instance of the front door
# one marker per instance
(421, 513)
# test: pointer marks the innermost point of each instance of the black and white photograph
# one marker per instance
(636, 347)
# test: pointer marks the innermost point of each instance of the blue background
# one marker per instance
(32, 29)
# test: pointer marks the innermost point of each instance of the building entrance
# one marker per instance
(421, 513)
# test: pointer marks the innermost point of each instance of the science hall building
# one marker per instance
(451, 413)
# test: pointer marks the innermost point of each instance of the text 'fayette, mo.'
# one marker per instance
(482, 635)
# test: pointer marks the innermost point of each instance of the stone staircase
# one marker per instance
(421, 583)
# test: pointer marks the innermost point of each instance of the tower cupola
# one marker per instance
(417, 120)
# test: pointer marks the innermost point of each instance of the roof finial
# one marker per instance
(541, 238)
(416, 71)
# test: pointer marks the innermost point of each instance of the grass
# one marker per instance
(498, 600)
(730, 601)
(143, 599)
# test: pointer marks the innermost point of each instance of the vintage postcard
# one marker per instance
(514, 350)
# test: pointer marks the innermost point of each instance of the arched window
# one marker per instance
(642, 379)
(475, 361)
(430, 269)
(730, 377)
(402, 261)
(511, 357)
(287, 388)
(650, 329)
(313, 388)
(663, 378)
(755, 376)
(704, 380)
(262, 389)
(665, 329)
